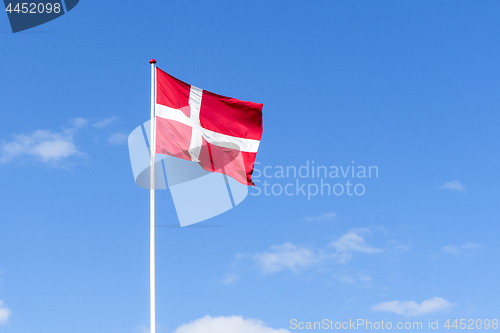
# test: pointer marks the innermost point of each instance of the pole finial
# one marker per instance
(152, 61)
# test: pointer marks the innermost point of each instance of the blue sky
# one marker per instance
(410, 87)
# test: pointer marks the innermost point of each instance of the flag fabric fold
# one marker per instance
(221, 134)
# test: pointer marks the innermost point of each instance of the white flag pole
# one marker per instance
(152, 268)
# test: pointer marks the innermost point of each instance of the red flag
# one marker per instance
(221, 133)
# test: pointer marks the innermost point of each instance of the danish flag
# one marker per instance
(222, 134)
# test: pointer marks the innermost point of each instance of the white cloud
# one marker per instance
(470, 246)
(403, 247)
(345, 279)
(286, 256)
(453, 185)
(142, 329)
(349, 279)
(297, 258)
(117, 138)
(4, 313)
(453, 249)
(79, 122)
(323, 217)
(352, 242)
(47, 146)
(230, 324)
(411, 308)
(105, 122)
(466, 247)
(229, 279)
(52, 147)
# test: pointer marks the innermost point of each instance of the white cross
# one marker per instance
(221, 140)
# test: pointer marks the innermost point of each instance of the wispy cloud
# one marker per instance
(229, 324)
(466, 247)
(117, 139)
(403, 247)
(350, 279)
(452, 249)
(353, 242)
(470, 246)
(412, 308)
(46, 146)
(142, 329)
(289, 256)
(323, 217)
(4, 313)
(79, 122)
(286, 256)
(454, 185)
(105, 122)
(54, 148)
(229, 279)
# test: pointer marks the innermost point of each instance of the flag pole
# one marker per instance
(152, 265)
